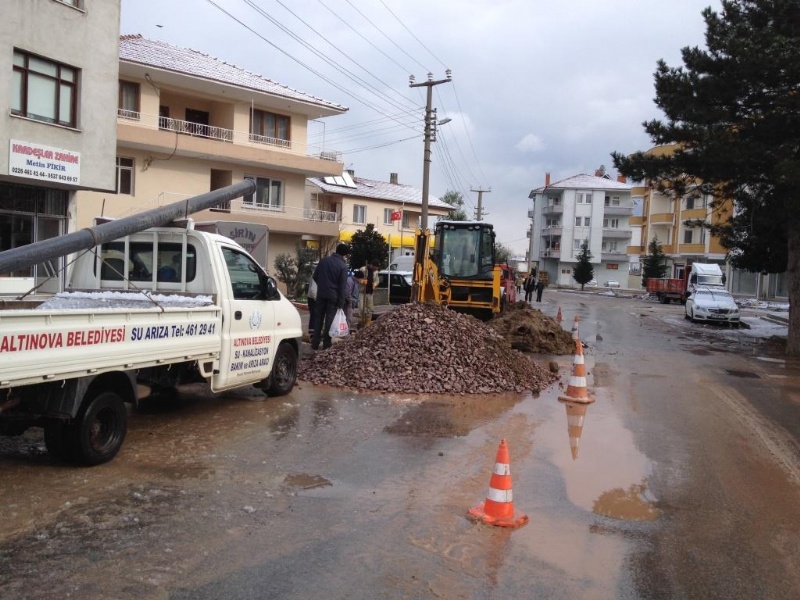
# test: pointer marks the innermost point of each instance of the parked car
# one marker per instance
(592, 283)
(398, 284)
(612, 284)
(712, 304)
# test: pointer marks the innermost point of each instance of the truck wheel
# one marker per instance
(99, 429)
(284, 371)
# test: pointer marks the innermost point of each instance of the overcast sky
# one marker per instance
(537, 86)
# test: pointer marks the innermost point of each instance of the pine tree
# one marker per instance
(584, 271)
(654, 263)
(733, 112)
(455, 200)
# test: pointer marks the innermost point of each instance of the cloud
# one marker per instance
(530, 143)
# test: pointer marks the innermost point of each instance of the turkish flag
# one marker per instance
(396, 216)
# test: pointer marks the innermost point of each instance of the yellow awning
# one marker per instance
(394, 239)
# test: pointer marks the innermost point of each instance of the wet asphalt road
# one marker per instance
(684, 483)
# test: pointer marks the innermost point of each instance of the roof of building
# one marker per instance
(376, 190)
(585, 182)
(152, 53)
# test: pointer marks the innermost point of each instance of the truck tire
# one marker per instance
(284, 371)
(99, 429)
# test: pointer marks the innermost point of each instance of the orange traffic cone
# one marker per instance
(498, 508)
(559, 318)
(576, 390)
(575, 335)
(575, 416)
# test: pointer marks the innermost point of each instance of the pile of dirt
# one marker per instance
(528, 329)
(426, 349)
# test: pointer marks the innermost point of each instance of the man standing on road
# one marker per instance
(367, 304)
(539, 290)
(331, 278)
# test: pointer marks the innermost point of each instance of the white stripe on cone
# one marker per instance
(501, 469)
(499, 495)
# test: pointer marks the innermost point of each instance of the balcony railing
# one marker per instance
(552, 230)
(221, 134)
(621, 210)
(197, 129)
(618, 234)
(551, 208)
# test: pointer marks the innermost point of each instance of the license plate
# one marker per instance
(716, 316)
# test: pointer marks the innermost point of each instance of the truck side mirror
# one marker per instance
(693, 278)
(269, 289)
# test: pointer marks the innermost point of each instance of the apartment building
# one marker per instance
(188, 123)
(675, 223)
(393, 208)
(581, 208)
(57, 134)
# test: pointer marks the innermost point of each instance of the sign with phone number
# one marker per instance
(35, 161)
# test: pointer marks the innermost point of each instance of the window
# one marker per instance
(610, 223)
(553, 222)
(576, 244)
(585, 220)
(269, 128)
(245, 274)
(125, 175)
(43, 90)
(359, 214)
(407, 220)
(269, 194)
(687, 236)
(610, 246)
(128, 102)
(142, 262)
(612, 201)
(387, 216)
(584, 198)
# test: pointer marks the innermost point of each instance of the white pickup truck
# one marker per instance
(146, 312)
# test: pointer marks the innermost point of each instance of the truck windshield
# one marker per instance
(709, 280)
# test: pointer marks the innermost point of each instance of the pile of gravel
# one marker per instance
(426, 349)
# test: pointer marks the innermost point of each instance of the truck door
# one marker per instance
(248, 324)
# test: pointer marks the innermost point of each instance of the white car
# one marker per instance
(612, 284)
(709, 304)
(592, 283)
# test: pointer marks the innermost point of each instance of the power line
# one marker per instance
(412, 35)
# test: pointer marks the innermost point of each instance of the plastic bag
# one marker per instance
(339, 327)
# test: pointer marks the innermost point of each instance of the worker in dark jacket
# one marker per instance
(331, 278)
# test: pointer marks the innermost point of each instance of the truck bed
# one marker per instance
(61, 337)
(666, 286)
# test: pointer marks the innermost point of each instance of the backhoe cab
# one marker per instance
(455, 267)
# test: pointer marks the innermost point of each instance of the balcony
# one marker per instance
(691, 248)
(153, 133)
(552, 230)
(622, 210)
(617, 234)
(613, 255)
(550, 253)
(551, 208)
(665, 218)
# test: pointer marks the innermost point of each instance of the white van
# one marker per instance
(402, 263)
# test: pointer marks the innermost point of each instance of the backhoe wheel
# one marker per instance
(284, 371)
(99, 429)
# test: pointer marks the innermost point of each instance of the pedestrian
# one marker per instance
(539, 290)
(311, 299)
(331, 278)
(366, 304)
(530, 285)
(351, 298)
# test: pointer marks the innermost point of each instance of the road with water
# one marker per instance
(683, 481)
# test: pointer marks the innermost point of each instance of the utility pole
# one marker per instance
(479, 210)
(429, 132)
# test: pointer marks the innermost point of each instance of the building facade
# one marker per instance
(582, 208)
(57, 134)
(676, 222)
(394, 209)
(187, 123)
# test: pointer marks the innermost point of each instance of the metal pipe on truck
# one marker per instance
(89, 237)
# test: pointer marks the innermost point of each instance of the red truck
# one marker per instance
(667, 289)
(695, 275)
